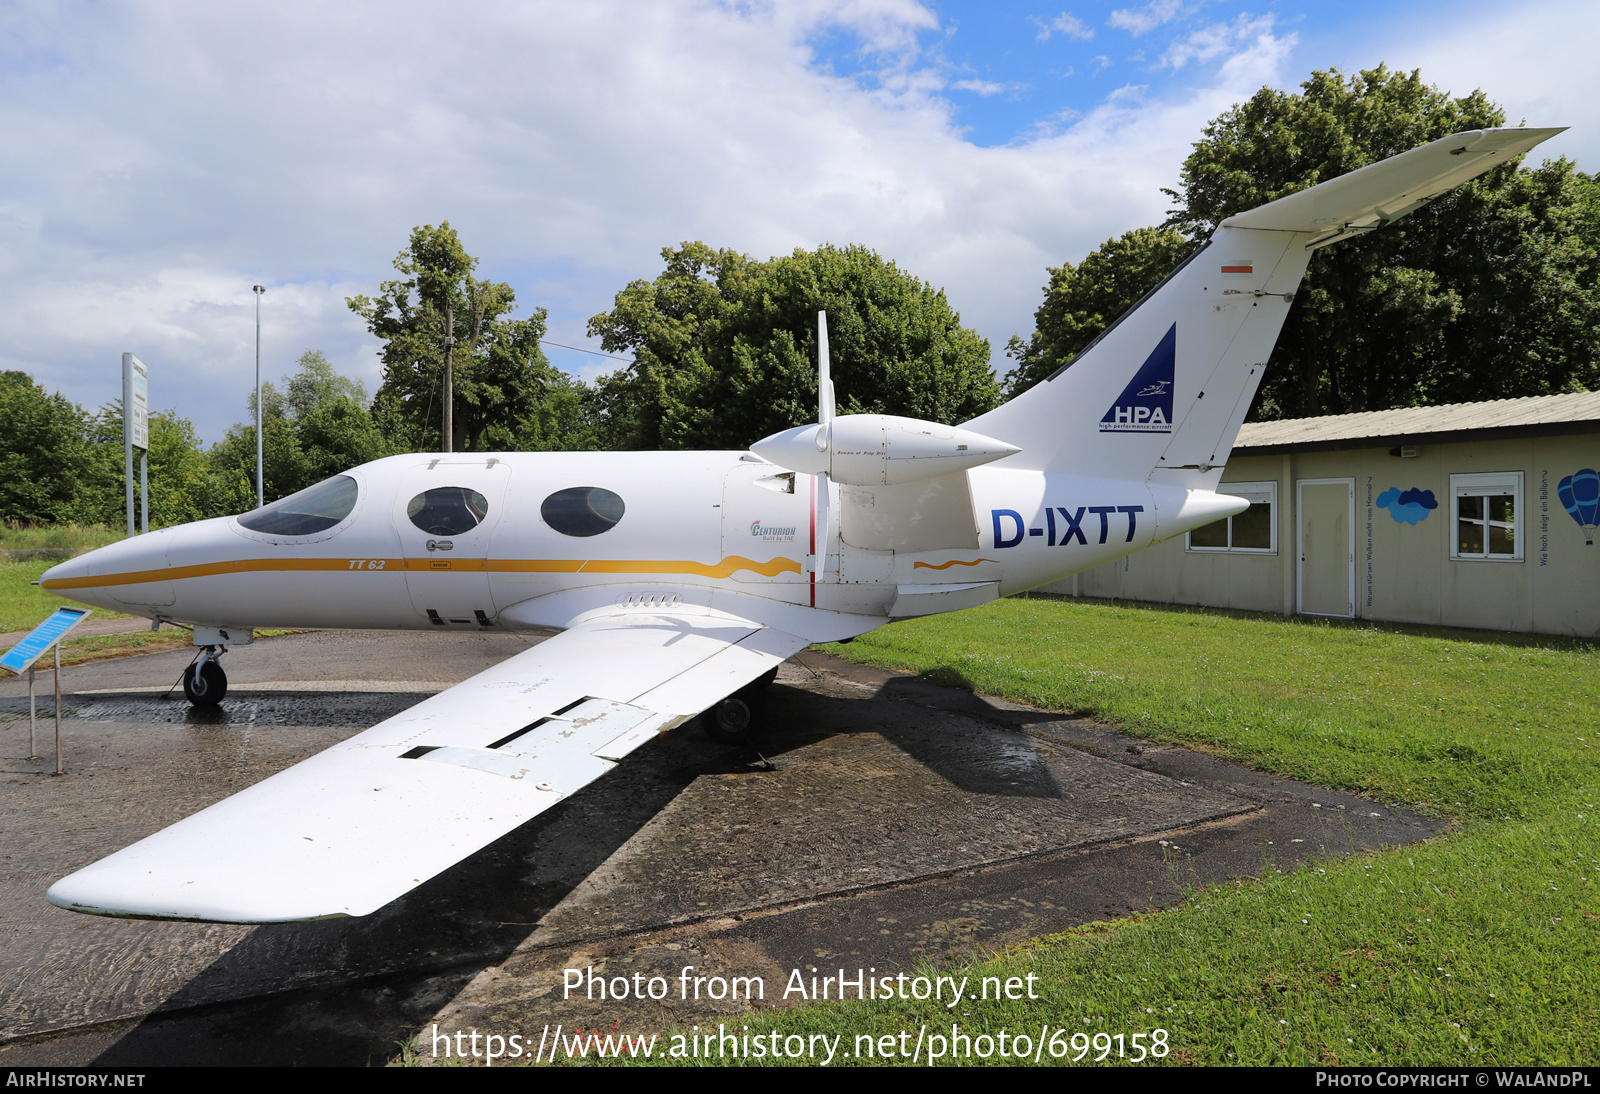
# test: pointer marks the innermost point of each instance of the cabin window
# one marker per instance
(1253, 531)
(448, 510)
(582, 510)
(314, 509)
(1488, 516)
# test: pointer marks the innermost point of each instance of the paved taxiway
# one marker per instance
(897, 823)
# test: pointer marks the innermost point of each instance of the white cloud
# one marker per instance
(1536, 60)
(981, 87)
(175, 156)
(1144, 20)
(1065, 24)
(1246, 34)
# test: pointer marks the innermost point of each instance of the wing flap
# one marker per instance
(354, 827)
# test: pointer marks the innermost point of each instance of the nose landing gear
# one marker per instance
(204, 682)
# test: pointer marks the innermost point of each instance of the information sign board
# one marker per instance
(42, 637)
(135, 402)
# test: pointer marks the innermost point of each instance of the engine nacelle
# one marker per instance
(879, 449)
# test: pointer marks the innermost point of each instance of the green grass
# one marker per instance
(1480, 947)
(72, 536)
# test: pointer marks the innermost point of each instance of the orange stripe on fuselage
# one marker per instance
(726, 568)
(947, 565)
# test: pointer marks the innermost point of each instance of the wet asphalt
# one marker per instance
(883, 822)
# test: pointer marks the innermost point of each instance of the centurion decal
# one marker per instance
(771, 532)
(1145, 405)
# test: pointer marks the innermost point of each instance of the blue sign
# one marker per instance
(42, 637)
(1145, 405)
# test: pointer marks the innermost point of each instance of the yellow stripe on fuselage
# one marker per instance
(726, 568)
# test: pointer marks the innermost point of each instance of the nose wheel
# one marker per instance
(204, 682)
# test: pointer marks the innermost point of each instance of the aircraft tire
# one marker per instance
(737, 720)
(204, 685)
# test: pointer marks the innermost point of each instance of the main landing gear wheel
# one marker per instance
(204, 683)
(737, 720)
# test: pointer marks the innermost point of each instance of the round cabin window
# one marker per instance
(448, 510)
(582, 510)
(312, 510)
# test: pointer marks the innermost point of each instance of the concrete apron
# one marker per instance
(897, 824)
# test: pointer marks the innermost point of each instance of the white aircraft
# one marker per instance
(680, 581)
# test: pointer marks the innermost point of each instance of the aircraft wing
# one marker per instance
(356, 826)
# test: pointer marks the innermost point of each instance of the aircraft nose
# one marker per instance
(86, 578)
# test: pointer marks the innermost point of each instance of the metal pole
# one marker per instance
(127, 459)
(144, 491)
(261, 494)
(33, 747)
(449, 389)
(58, 710)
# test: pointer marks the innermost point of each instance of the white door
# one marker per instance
(444, 511)
(1327, 546)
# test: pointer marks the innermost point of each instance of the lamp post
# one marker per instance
(261, 494)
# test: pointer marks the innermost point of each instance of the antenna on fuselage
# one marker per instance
(824, 383)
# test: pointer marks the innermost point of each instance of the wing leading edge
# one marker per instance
(354, 827)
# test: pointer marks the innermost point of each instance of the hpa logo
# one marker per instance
(1145, 405)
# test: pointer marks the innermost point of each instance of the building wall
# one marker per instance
(1404, 571)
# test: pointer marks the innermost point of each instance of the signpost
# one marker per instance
(43, 638)
(136, 434)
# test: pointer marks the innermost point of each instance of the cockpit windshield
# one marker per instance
(314, 509)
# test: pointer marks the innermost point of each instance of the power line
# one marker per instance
(580, 349)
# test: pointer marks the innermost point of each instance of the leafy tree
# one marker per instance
(1081, 303)
(500, 376)
(42, 452)
(284, 467)
(1488, 292)
(315, 385)
(182, 485)
(724, 347)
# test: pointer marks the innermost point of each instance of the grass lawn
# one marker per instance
(1482, 946)
(73, 536)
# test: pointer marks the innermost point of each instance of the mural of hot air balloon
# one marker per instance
(1580, 493)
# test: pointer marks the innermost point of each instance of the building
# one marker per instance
(1470, 515)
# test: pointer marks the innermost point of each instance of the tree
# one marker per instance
(724, 347)
(42, 452)
(1490, 291)
(315, 385)
(1081, 303)
(500, 376)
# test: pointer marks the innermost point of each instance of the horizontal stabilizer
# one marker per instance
(1391, 188)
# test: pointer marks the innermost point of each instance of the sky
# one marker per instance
(162, 158)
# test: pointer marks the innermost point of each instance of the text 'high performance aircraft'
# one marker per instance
(680, 581)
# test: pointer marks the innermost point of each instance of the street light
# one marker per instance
(261, 494)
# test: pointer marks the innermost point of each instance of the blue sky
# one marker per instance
(164, 157)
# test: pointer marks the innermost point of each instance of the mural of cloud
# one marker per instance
(1408, 506)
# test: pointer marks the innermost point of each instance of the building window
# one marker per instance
(1254, 531)
(1487, 513)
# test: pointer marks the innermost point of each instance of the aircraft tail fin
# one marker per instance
(1160, 395)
